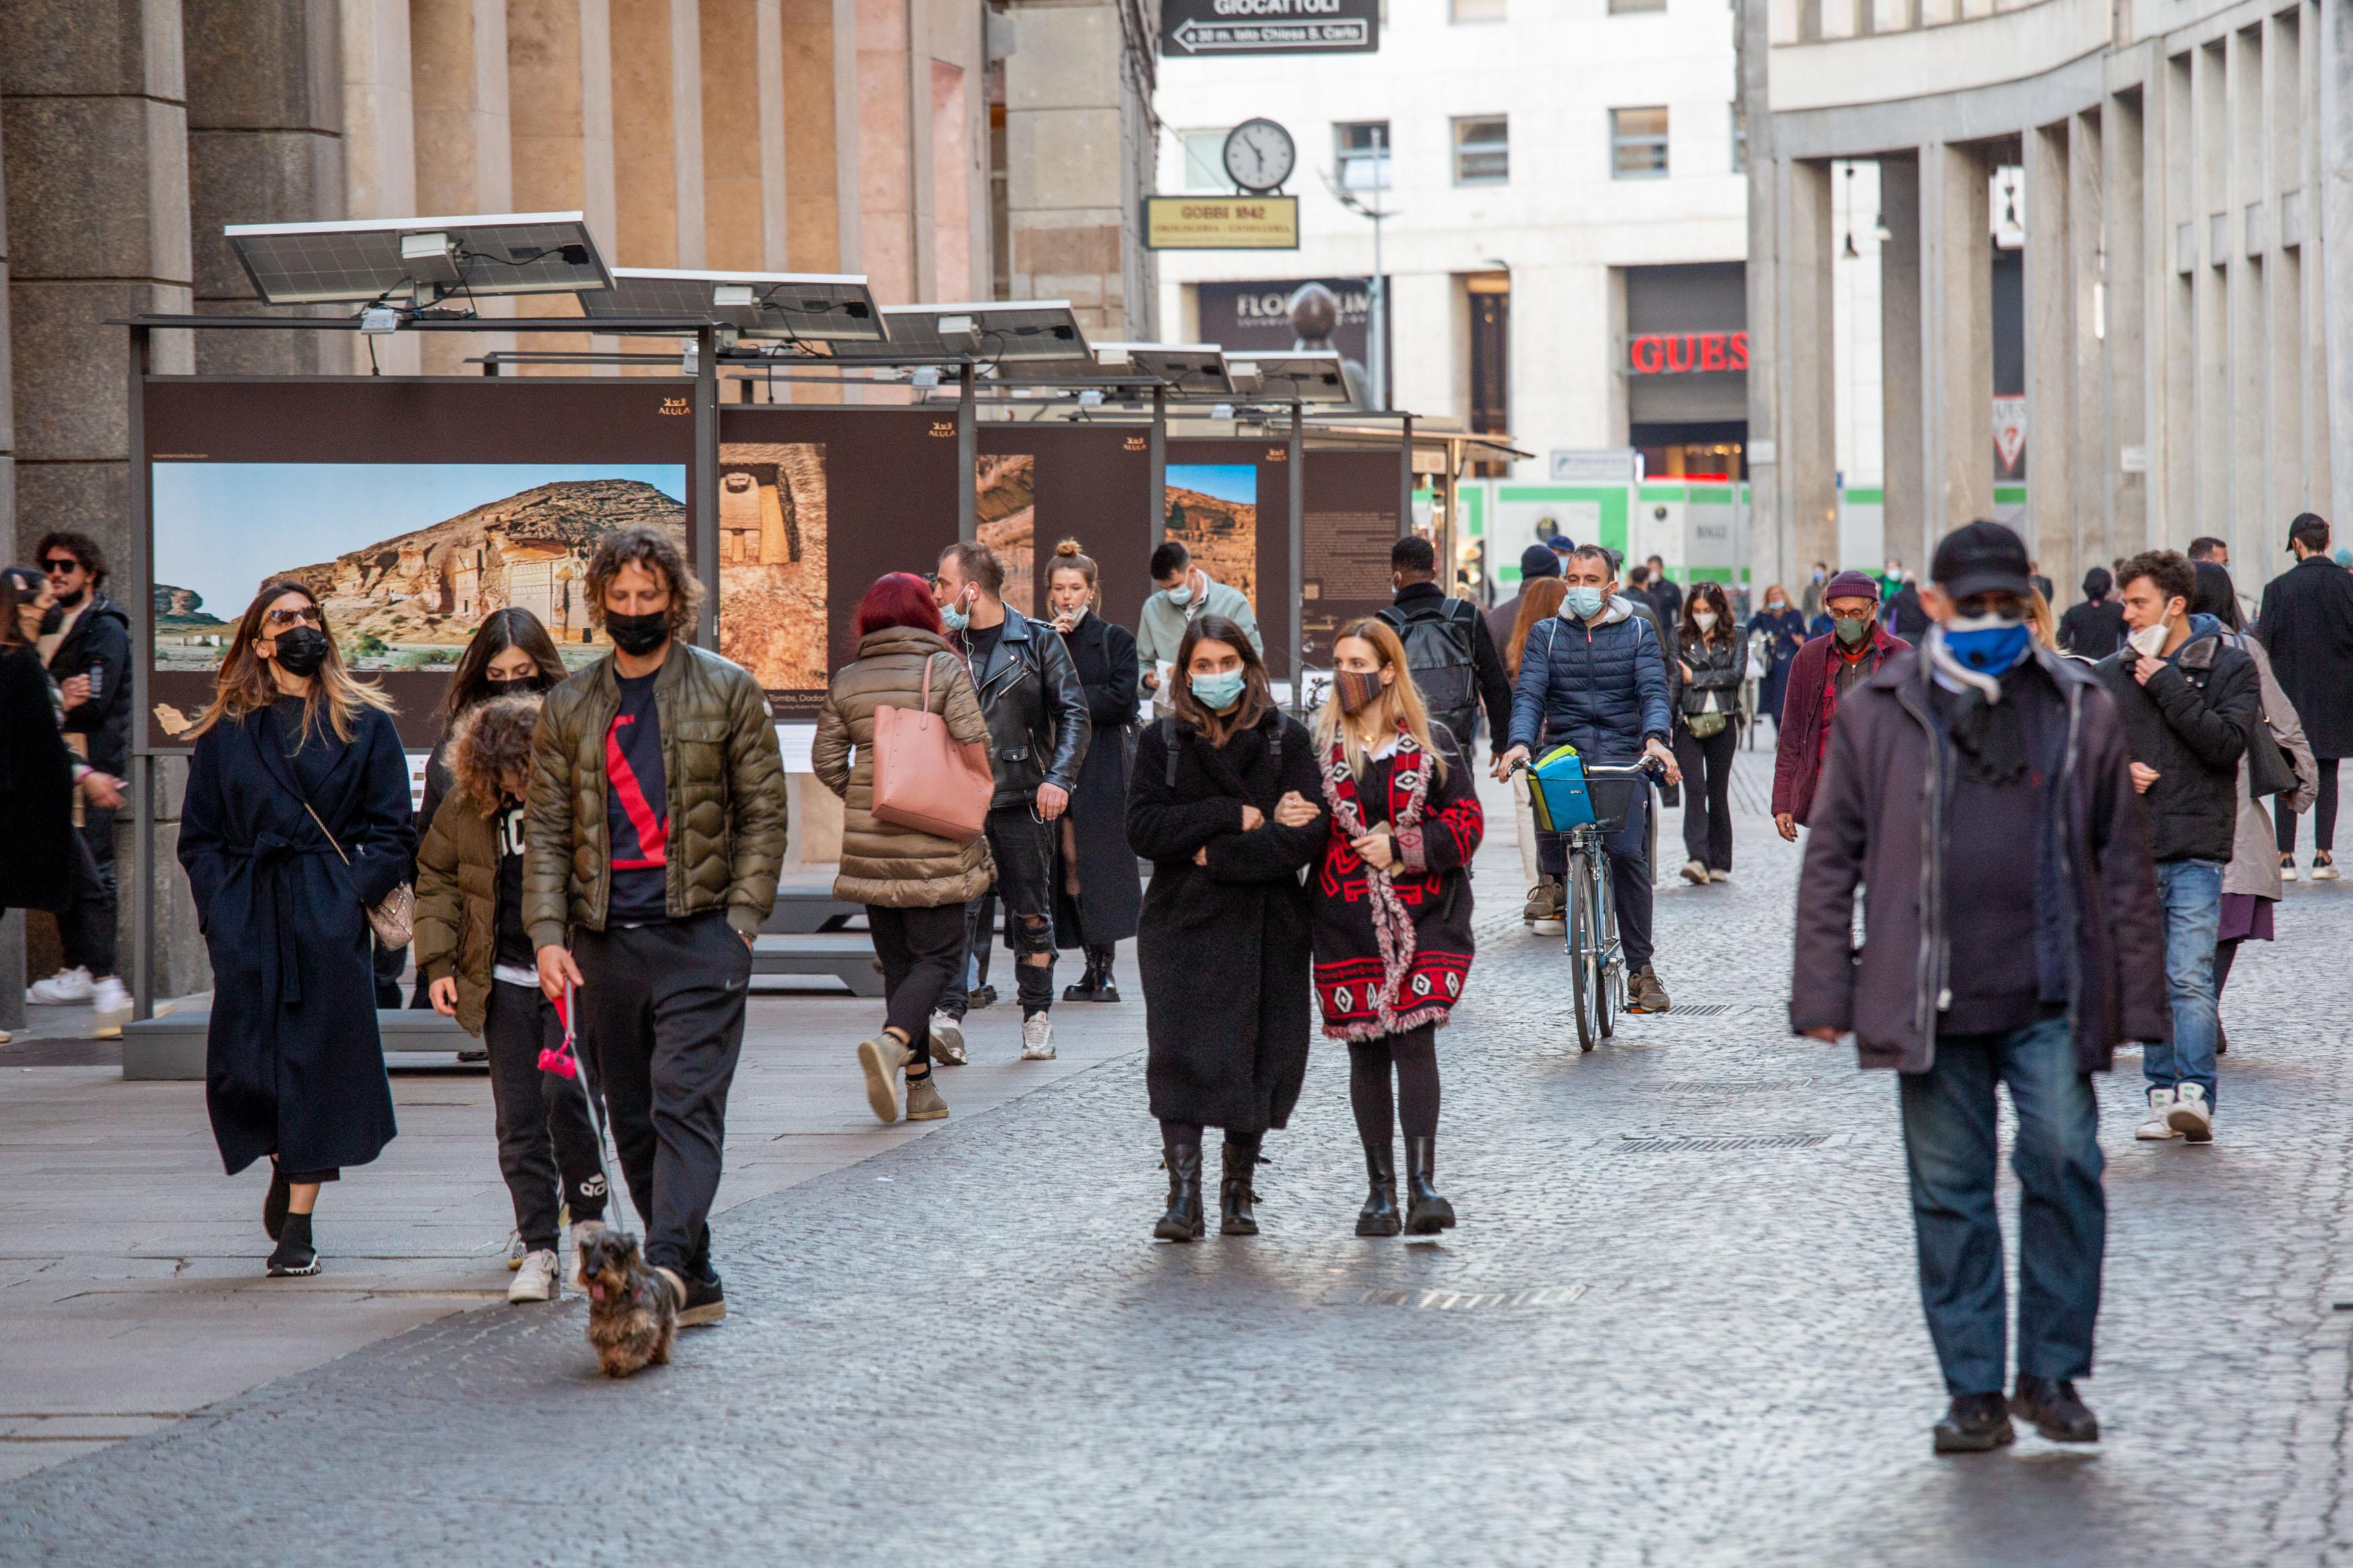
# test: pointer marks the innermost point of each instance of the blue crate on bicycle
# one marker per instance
(1564, 795)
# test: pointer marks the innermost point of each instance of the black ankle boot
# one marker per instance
(1428, 1214)
(1234, 1194)
(1083, 989)
(1107, 989)
(1183, 1222)
(1380, 1214)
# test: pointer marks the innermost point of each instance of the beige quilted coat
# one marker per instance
(896, 868)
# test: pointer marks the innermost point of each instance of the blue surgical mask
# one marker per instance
(1180, 595)
(1988, 644)
(1584, 602)
(1219, 691)
(954, 617)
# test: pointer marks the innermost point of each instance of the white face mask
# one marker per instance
(1704, 619)
(2149, 641)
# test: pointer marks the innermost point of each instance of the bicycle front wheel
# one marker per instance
(1584, 954)
(1608, 959)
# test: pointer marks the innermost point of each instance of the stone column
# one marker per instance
(1902, 390)
(888, 173)
(1772, 556)
(1072, 184)
(1956, 357)
(265, 146)
(94, 131)
(820, 81)
(657, 65)
(1809, 401)
(379, 143)
(2126, 231)
(2052, 530)
(559, 68)
(744, 134)
(18, 550)
(2090, 433)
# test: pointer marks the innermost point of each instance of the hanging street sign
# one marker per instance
(1196, 27)
(1221, 223)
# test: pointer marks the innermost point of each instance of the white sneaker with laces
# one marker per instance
(2191, 1116)
(516, 1250)
(66, 988)
(2158, 1128)
(947, 1040)
(110, 999)
(535, 1279)
(1038, 1037)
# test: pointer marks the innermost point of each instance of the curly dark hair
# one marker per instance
(2170, 570)
(81, 547)
(490, 740)
(654, 550)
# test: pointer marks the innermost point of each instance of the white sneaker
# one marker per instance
(2287, 867)
(1038, 1037)
(2324, 871)
(580, 1234)
(947, 1040)
(1696, 873)
(535, 1279)
(1715, 876)
(112, 1000)
(66, 988)
(2191, 1116)
(516, 1250)
(2158, 1128)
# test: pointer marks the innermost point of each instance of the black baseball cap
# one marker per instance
(1981, 557)
(2309, 529)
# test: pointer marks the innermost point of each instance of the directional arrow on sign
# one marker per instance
(1264, 38)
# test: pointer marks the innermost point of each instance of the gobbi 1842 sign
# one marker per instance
(1679, 353)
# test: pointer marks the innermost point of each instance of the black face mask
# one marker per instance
(301, 650)
(521, 685)
(51, 620)
(638, 635)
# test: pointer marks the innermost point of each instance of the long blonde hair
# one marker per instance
(1398, 703)
(2038, 616)
(245, 685)
(1541, 602)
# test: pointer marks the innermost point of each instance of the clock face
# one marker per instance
(1260, 154)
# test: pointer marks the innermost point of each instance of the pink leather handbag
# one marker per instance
(923, 777)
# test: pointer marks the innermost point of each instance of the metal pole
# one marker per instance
(704, 488)
(1405, 478)
(967, 457)
(142, 761)
(1295, 661)
(1159, 466)
(1376, 351)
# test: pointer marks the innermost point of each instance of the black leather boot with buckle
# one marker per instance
(1183, 1222)
(1380, 1214)
(1428, 1214)
(1235, 1195)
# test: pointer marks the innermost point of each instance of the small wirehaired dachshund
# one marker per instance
(632, 1317)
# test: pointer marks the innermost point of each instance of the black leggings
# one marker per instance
(920, 950)
(1414, 1054)
(2324, 814)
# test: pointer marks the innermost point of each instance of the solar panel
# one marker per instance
(421, 259)
(998, 332)
(791, 306)
(1198, 368)
(1310, 376)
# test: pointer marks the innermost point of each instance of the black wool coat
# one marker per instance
(1110, 895)
(2306, 625)
(1224, 947)
(293, 1063)
(37, 789)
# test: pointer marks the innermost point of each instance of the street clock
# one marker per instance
(1259, 155)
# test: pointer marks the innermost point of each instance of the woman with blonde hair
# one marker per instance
(1392, 923)
(1543, 863)
(295, 824)
(1097, 897)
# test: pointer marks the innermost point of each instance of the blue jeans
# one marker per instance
(2192, 891)
(1950, 1152)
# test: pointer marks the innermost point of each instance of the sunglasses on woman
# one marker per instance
(280, 619)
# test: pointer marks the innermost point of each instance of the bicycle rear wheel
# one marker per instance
(1608, 966)
(1584, 951)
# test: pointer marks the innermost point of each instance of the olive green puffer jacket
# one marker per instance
(882, 863)
(724, 786)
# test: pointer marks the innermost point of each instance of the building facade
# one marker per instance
(2154, 193)
(1564, 257)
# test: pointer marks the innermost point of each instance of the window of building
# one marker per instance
(1638, 144)
(1478, 10)
(1205, 160)
(1490, 298)
(1361, 153)
(1483, 151)
(1739, 141)
(1626, 7)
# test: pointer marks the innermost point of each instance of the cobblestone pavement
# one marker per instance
(964, 1349)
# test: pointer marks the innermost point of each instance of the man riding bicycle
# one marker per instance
(1595, 678)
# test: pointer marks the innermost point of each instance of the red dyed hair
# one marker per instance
(897, 599)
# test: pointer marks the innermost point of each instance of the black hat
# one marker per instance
(1981, 558)
(1538, 560)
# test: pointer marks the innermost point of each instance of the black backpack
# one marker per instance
(1441, 637)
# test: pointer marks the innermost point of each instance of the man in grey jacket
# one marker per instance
(1185, 593)
(1977, 790)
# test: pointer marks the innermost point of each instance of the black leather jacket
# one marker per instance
(1037, 713)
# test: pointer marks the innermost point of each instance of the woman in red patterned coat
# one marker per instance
(1392, 913)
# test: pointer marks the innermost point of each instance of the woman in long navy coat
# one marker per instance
(1100, 895)
(294, 1067)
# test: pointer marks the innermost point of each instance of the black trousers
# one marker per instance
(2324, 814)
(920, 951)
(87, 928)
(544, 1134)
(662, 1012)
(1708, 795)
(1023, 848)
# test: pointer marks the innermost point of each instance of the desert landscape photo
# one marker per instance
(1006, 484)
(1212, 508)
(772, 549)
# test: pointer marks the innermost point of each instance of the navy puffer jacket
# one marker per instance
(1602, 689)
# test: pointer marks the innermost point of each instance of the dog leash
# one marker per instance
(563, 1060)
